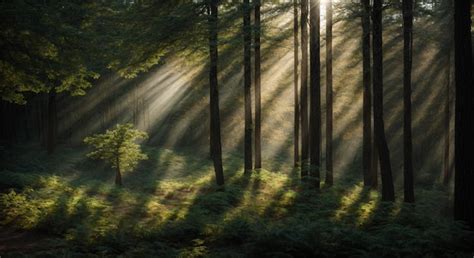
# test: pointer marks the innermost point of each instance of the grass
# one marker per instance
(170, 207)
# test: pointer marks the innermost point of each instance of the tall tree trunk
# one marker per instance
(367, 162)
(388, 193)
(464, 127)
(329, 101)
(247, 87)
(258, 98)
(215, 124)
(296, 130)
(409, 192)
(304, 91)
(52, 122)
(315, 93)
(447, 127)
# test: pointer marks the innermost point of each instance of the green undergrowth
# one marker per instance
(170, 207)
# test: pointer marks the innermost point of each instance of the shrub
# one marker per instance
(118, 148)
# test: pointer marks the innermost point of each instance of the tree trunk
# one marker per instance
(329, 101)
(296, 130)
(304, 91)
(388, 193)
(118, 174)
(367, 162)
(375, 165)
(409, 192)
(315, 93)
(258, 98)
(215, 124)
(464, 127)
(52, 122)
(447, 120)
(247, 87)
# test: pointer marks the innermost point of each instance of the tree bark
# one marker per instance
(304, 92)
(215, 127)
(52, 122)
(258, 98)
(329, 95)
(375, 165)
(447, 127)
(388, 193)
(367, 162)
(296, 130)
(315, 93)
(409, 192)
(247, 87)
(464, 127)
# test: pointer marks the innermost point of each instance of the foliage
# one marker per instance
(47, 46)
(165, 211)
(117, 147)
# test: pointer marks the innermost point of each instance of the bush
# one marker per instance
(118, 148)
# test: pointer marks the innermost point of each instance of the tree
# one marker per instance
(296, 123)
(388, 193)
(329, 98)
(41, 45)
(215, 124)
(117, 147)
(367, 163)
(247, 87)
(409, 194)
(447, 125)
(304, 91)
(258, 98)
(464, 127)
(447, 10)
(315, 93)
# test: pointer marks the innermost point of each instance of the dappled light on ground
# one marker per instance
(162, 203)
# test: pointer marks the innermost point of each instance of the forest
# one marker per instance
(236, 128)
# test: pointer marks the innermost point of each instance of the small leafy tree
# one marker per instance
(117, 147)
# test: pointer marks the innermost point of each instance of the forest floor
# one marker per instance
(66, 205)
